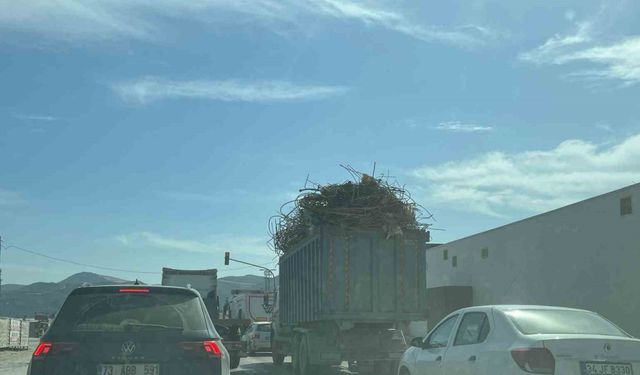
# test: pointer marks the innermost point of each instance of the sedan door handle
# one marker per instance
(439, 358)
(472, 358)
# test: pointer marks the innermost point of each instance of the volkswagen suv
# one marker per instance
(131, 330)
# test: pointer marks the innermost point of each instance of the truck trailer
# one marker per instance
(349, 295)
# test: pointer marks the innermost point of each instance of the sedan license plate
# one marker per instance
(129, 369)
(600, 368)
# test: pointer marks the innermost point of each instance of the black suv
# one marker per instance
(131, 330)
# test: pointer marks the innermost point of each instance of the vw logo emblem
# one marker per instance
(128, 347)
(607, 347)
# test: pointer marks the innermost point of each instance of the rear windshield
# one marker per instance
(531, 322)
(124, 312)
(264, 328)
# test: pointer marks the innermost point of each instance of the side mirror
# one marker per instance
(417, 342)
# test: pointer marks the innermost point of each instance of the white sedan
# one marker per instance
(523, 340)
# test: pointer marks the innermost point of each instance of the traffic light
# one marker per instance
(226, 258)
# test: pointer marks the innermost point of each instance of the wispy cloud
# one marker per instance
(11, 198)
(617, 60)
(150, 89)
(460, 127)
(212, 245)
(34, 117)
(605, 127)
(465, 35)
(102, 19)
(498, 183)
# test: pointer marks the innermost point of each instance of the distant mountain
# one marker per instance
(11, 287)
(27, 300)
(92, 278)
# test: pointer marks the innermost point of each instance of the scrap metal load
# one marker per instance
(366, 203)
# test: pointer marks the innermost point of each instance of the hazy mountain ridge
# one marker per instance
(47, 297)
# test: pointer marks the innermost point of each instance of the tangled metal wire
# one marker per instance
(366, 202)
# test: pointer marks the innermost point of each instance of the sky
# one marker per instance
(137, 135)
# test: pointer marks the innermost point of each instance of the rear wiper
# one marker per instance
(152, 327)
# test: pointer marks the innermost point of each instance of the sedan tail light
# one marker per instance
(534, 360)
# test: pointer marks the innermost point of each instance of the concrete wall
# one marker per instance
(585, 255)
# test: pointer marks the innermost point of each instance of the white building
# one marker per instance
(584, 255)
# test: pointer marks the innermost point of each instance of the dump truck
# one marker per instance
(349, 295)
(206, 282)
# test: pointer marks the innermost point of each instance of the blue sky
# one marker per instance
(138, 135)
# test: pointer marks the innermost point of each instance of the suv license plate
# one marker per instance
(129, 369)
(599, 368)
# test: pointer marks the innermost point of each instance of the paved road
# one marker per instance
(16, 362)
(262, 364)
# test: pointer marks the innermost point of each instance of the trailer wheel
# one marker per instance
(304, 364)
(295, 356)
(276, 357)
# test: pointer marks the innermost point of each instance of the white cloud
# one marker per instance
(10, 198)
(457, 126)
(618, 60)
(34, 117)
(532, 181)
(213, 245)
(554, 50)
(149, 89)
(141, 19)
(467, 35)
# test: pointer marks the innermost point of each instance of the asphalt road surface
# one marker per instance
(262, 364)
(15, 363)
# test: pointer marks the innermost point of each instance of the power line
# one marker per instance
(78, 263)
(32, 252)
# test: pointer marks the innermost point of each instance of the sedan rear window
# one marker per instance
(531, 322)
(124, 312)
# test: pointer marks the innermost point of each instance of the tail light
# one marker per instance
(48, 348)
(42, 349)
(211, 348)
(534, 360)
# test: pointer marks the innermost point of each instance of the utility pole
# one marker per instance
(0, 275)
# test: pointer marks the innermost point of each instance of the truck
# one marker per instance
(349, 295)
(206, 283)
(254, 305)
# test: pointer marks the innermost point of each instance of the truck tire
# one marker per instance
(234, 361)
(304, 364)
(295, 356)
(276, 357)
